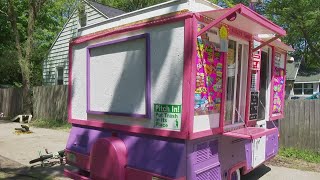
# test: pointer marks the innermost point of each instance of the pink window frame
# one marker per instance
(280, 115)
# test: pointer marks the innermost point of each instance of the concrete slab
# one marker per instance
(280, 173)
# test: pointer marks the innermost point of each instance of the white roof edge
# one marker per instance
(134, 12)
(144, 9)
(209, 3)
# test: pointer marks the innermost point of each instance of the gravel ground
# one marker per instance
(18, 149)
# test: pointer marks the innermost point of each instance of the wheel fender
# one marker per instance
(108, 158)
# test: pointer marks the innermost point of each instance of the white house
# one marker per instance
(301, 83)
(55, 66)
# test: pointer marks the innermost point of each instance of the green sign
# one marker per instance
(167, 116)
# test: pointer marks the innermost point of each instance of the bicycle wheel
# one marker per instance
(41, 158)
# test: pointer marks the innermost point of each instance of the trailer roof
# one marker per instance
(244, 19)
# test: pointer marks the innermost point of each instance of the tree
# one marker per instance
(130, 5)
(301, 20)
(24, 46)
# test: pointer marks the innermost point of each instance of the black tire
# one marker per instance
(41, 158)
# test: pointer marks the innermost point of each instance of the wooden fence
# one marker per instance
(49, 102)
(11, 101)
(301, 126)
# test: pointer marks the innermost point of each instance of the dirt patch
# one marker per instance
(294, 164)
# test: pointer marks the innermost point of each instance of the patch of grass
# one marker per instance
(306, 155)
(51, 124)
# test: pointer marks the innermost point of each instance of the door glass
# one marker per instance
(237, 113)
(230, 101)
(263, 86)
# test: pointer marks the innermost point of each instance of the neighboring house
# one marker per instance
(292, 69)
(301, 83)
(55, 66)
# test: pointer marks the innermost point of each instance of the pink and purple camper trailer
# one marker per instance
(184, 90)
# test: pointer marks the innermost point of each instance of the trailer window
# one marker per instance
(231, 72)
(263, 85)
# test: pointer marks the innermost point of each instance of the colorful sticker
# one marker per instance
(278, 90)
(208, 90)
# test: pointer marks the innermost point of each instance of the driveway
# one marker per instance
(17, 150)
(280, 173)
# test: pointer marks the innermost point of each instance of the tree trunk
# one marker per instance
(24, 62)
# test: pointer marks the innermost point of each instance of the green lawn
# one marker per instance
(306, 155)
(51, 124)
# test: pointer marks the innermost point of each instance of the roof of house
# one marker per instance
(308, 76)
(106, 10)
(292, 70)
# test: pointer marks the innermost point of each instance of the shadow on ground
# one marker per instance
(257, 173)
(12, 170)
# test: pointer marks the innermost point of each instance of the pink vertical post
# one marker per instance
(224, 94)
(70, 84)
(188, 76)
(248, 83)
(272, 81)
(284, 82)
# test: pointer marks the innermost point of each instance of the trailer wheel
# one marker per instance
(236, 175)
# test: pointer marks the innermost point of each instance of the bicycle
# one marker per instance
(43, 158)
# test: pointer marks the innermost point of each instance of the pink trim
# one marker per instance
(219, 19)
(74, 175)
(187, 96)
(248, 83)
(70, 84)
(284, 82)
(279, 115)
(236, 167)
(82, 161)
(136, 174)
(272, 79)
(224, 92)
(205, 133)
(250, 132)
(233, 31)
(193, 71)
(248, 13)
(108, 32)
(133, 129)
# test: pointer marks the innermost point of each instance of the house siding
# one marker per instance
(58, 54)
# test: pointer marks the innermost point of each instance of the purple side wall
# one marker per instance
(203, 159)
(208, 158)
(162, 156)
(272, 145)
(233, 151)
